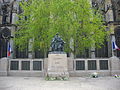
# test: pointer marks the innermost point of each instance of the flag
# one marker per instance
(114, 46)
(9, 50)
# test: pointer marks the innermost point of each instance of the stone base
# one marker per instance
(57, 65)
(3, 66)
(3, 73)
(115, 72)
(115, 63)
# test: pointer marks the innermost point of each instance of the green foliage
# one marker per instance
(50, 78)
(74, 19)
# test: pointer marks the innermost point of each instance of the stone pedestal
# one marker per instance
(57, 65)
(3, 66)
(115, 65)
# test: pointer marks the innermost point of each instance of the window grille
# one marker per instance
(92, 65)
(14, 65)
(37, 65)
(25, 65)
(103, 64)
(80, 65)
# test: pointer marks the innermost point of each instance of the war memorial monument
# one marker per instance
(57, 59)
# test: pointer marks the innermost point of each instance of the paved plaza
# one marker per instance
(74, 83)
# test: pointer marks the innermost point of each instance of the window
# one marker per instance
(80, 65)
(37, 65)
(25, 65)
(14, 65)
(92, 65)
(103, 64)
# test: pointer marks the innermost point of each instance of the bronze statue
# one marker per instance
(57, 43)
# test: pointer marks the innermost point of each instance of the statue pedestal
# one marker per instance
(57, 65)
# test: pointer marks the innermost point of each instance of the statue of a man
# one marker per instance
(57, 43)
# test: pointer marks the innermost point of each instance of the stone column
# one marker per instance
(92, 53)
(98, 64)
(113, 40)
(86, 64)
(13, 28)
(30, 51)
(3, 66)
(72, 48)
(20, 65)
(31, 65)
(109, 46)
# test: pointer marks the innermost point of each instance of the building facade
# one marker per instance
(91, 60)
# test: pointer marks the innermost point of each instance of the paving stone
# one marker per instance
(74, 83)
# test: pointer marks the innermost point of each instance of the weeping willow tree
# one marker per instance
(79, 25)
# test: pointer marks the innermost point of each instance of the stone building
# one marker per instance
(94, 60)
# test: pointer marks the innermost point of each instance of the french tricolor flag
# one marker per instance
(114, 46)
(9, 50)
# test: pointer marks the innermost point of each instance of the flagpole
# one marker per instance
(7, 49)
(113, 44)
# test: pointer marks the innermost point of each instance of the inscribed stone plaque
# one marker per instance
(57, 65)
